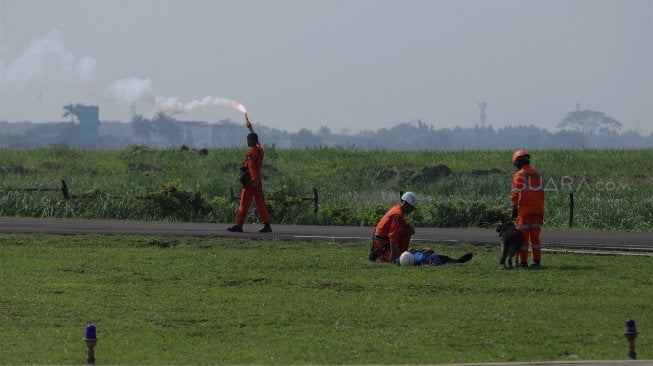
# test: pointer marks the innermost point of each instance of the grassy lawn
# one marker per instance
(179, 301)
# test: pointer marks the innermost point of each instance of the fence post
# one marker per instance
(315, 200)
(232, 200)
(64, 189)
(571, 209)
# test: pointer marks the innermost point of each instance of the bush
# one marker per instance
(336, 214)
(174, 201)
(459, 212)
(221, 210)
(449, 213)
(285, 207)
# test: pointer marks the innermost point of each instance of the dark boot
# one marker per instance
(376, 253)
(445, 259)
(235, 229)
(465, 258)
(266, 229)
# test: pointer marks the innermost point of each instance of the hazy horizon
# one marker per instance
(355, 65)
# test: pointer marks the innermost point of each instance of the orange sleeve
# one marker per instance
(392, 224)
(396, 225)
(252, 161)
(517, 186)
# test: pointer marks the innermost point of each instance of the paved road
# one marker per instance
(623, 242)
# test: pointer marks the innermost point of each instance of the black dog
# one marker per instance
(511, 241)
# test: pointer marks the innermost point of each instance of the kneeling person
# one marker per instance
(392, 237)
(392, 233)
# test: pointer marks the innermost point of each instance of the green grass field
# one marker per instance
(613, 189)
(207, 301)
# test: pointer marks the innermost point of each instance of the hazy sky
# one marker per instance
(354, 64)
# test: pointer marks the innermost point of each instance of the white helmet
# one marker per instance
(410, 197)
(406, 259)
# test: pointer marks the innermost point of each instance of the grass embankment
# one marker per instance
(222, 301)
(613, 189)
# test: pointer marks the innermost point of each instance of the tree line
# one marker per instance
(578, 130)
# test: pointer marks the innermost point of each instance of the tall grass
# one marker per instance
(612, 188)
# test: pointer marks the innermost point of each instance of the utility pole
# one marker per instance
(40, 105)
(482, 106)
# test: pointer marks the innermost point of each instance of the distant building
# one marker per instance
(89, 126)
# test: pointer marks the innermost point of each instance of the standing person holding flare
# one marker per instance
(252, 184)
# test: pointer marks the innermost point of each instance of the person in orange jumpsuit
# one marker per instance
(252, 186)
(527, 199)
(392, 237)
(392, 234)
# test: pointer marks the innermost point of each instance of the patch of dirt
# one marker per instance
(15, 169)
(47, 166)
(387, 174)
(340, 286)
(431, 173)
(239, 282)
(201, 152)
(482, 172)
(140, 167)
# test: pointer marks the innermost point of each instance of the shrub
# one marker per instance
(448, 213)
(336, 214)
(221, 210)
(286, 207)
(174, 201)
(459, 212)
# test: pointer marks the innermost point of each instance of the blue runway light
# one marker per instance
(90, 332)
(90, 338)
(630, 332)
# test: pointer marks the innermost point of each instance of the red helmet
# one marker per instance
(518, 154)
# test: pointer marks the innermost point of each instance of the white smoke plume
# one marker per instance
(48, 58)
(172, 105)
(132, 90)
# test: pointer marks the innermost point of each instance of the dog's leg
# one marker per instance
(504, 254)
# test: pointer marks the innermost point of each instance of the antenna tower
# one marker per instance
(482, 106)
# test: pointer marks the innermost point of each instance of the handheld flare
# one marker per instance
(248, 123)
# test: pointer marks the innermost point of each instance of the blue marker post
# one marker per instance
(630, 332)
(91, 339)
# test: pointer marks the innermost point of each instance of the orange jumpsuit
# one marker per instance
(527, 196)
(392, 229)
(253, 161)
